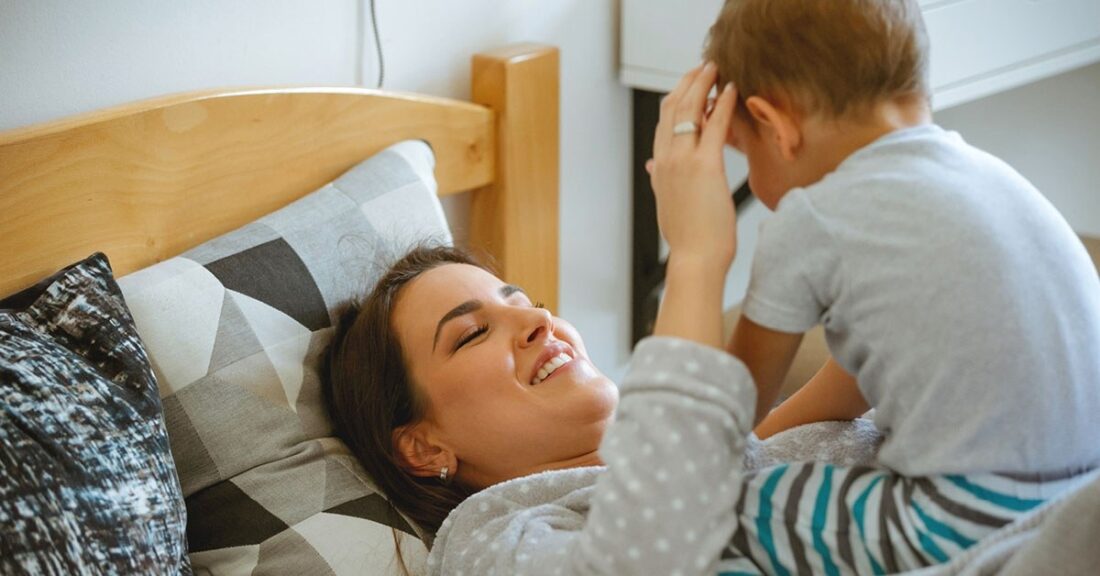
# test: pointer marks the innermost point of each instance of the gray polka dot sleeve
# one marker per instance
(665, 502)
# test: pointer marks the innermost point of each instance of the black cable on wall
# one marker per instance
(377, 44)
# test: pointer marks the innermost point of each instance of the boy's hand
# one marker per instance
(694, 209)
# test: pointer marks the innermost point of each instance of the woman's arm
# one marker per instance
(695, 211)
(666, 502)
(832, 394)
(691, 307)
(664, 505)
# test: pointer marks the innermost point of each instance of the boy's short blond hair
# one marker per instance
(832, 57)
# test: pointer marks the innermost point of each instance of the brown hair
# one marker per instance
(836, 57)
(368, 392)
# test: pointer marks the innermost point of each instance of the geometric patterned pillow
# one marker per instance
(87, 483)
(235, 329)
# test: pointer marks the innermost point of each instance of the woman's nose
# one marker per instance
(538, 326)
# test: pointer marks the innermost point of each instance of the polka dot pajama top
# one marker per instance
(673, 498)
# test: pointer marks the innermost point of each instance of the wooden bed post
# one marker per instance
(515, 219)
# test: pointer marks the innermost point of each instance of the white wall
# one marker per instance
(59, 57)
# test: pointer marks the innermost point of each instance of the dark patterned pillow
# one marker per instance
(87, 480)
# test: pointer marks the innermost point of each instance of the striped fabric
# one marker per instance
(816, 518)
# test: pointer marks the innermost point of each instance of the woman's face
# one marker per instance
(483, 357)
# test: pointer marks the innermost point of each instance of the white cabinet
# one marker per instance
(979, 47)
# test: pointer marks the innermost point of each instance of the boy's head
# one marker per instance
(830, 57)
(824, 59)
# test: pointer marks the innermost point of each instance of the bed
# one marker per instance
(192, 198)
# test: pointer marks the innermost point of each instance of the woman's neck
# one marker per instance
(480, 480)
(579, 461)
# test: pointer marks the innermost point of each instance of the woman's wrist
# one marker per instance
(708, 269)
(692, 304)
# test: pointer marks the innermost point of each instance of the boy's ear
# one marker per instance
(420, 454)
(779, 125)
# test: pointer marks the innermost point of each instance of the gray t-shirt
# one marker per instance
(959, 297)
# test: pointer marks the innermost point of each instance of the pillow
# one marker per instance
(87, 482)
(236, 328)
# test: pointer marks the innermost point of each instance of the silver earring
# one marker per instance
(443, 474)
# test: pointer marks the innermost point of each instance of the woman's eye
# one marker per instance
(469, 337)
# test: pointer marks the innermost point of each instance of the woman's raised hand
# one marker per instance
(694, 207)
(695, 211)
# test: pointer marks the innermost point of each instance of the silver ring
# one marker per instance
(687, 127)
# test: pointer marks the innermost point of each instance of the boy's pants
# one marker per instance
(816, 518)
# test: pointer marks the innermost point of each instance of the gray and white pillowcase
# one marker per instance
(236, 328)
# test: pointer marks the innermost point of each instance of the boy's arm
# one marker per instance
(832, 394)
(768, 355)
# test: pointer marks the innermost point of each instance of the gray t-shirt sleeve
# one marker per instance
(665, 503)
(794, 269)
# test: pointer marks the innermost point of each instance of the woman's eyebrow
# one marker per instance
(467, 307)
(460, 310)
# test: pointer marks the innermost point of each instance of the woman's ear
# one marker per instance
(420, 454)
(779, 125)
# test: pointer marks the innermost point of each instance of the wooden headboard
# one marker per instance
(146, 181)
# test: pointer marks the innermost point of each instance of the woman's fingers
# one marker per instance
(662, 137)
(708, 108)
(718, 124)
(692, 106)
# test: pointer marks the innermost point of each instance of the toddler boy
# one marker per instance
(956, 300)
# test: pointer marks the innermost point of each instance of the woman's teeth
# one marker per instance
(551, 365)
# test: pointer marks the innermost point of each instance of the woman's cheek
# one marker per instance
(566, 331)
(488, 364)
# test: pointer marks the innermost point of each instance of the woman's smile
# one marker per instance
(550, 367)
(556, 354)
